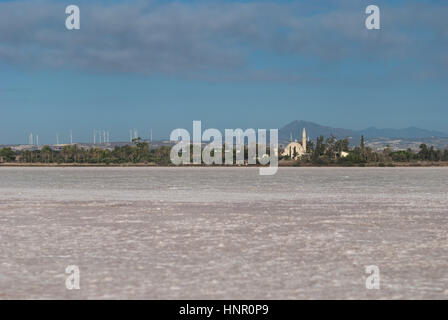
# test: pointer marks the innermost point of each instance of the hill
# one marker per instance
(411, 135)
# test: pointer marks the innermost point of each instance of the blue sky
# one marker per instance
(260, 64)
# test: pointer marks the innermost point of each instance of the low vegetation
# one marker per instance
(331, 151)
(323, 152)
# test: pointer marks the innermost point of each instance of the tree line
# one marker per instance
(333, 151)
(137, 153)
(329, 151)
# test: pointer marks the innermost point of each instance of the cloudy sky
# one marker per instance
(260, 64)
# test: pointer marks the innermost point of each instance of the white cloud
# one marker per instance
(208, 38)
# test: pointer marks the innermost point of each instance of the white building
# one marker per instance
(295, 149)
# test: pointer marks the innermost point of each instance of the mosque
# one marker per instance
(295, 149)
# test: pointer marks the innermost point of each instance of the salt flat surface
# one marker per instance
(223, 233)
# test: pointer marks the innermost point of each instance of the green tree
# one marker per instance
(46, 154)
(424, 152)
(7, 154)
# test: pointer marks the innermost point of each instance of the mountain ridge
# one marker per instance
(314, 130)
(405, 133)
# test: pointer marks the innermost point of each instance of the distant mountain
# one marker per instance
(407, 133)
(313, 130)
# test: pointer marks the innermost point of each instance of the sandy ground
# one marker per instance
(223, 233)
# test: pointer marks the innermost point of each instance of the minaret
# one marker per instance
(304, 139)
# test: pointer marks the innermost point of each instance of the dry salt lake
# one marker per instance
(223, 233)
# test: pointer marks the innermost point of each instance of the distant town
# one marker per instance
(317, 149)
(377, 139)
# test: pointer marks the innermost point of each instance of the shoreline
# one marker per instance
(284, 164)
